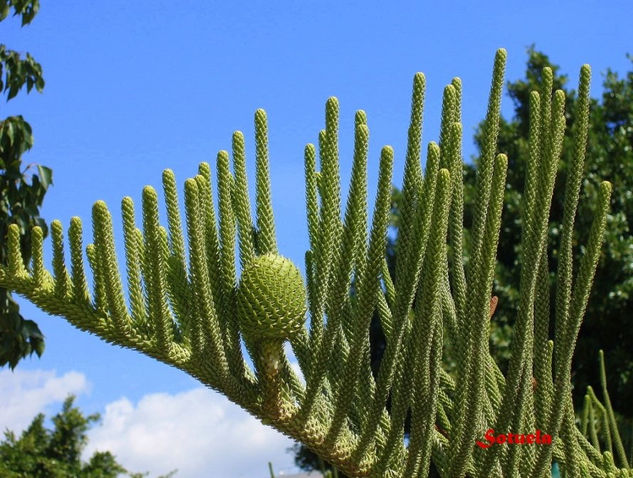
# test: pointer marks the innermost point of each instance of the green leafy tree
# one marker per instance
(22, 188)
(609, 156)
(41, 452)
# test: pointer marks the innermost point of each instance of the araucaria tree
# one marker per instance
(192, 311)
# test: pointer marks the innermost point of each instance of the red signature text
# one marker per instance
(536, 438)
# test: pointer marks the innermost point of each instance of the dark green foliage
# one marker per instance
(18, 72)
(41, 452)
(22, 189)
(27, 9)
(610, 157)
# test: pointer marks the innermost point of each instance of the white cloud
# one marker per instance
(199, 432)
(25, 393)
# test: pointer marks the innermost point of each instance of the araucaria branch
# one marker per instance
(192, 310)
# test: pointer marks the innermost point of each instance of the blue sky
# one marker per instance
(136, 87)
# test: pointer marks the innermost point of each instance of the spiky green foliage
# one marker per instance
(195, 314)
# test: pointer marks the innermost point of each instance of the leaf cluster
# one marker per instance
(17, 72)
(27, 9)
(22, 189)
(40, 452)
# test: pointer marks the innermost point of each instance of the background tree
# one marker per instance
(609, 156)
(56, 453)
(22, 188)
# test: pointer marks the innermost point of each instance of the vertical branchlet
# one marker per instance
(97, 278)
(524, 457)
(158, 309)
(456, 220)
(209, 227)
(360, 119)
(572, 192)
(62, 281)
(312, 204)
(140, 245)
(367, 289)
(568, 436)
(104, 244)
(457, 110)
(592, 424)
(175, 261)
(312, 294)
(176, 242)
(37, 260)
(15, 262)
(205, 329)
(523, 419)
(313, 219)
(164, 250)
(390, 290)
(547, 87)
(319, 175)
(535, 141)
(542, 373)
(414, 134)
(133, 259)
(242, 205)
(579, 298)
(331, 168)
(418, 342)
(486, 160)
(227, 266)
(484, 179)
(227, 224)
(619, 447)
(80, 286)
(353, 232)
(265, 221)
(404, 298)
(329, 230)
(425, 411)
(584, 415)
(412, 181)
(551, 142)
(605, 428)
(411, 192)
(203, 312)
(471, 391)
(427, 313)
(449, 104)
(343, 261)
(533, 240)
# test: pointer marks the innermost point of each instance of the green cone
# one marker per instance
(271, 300)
